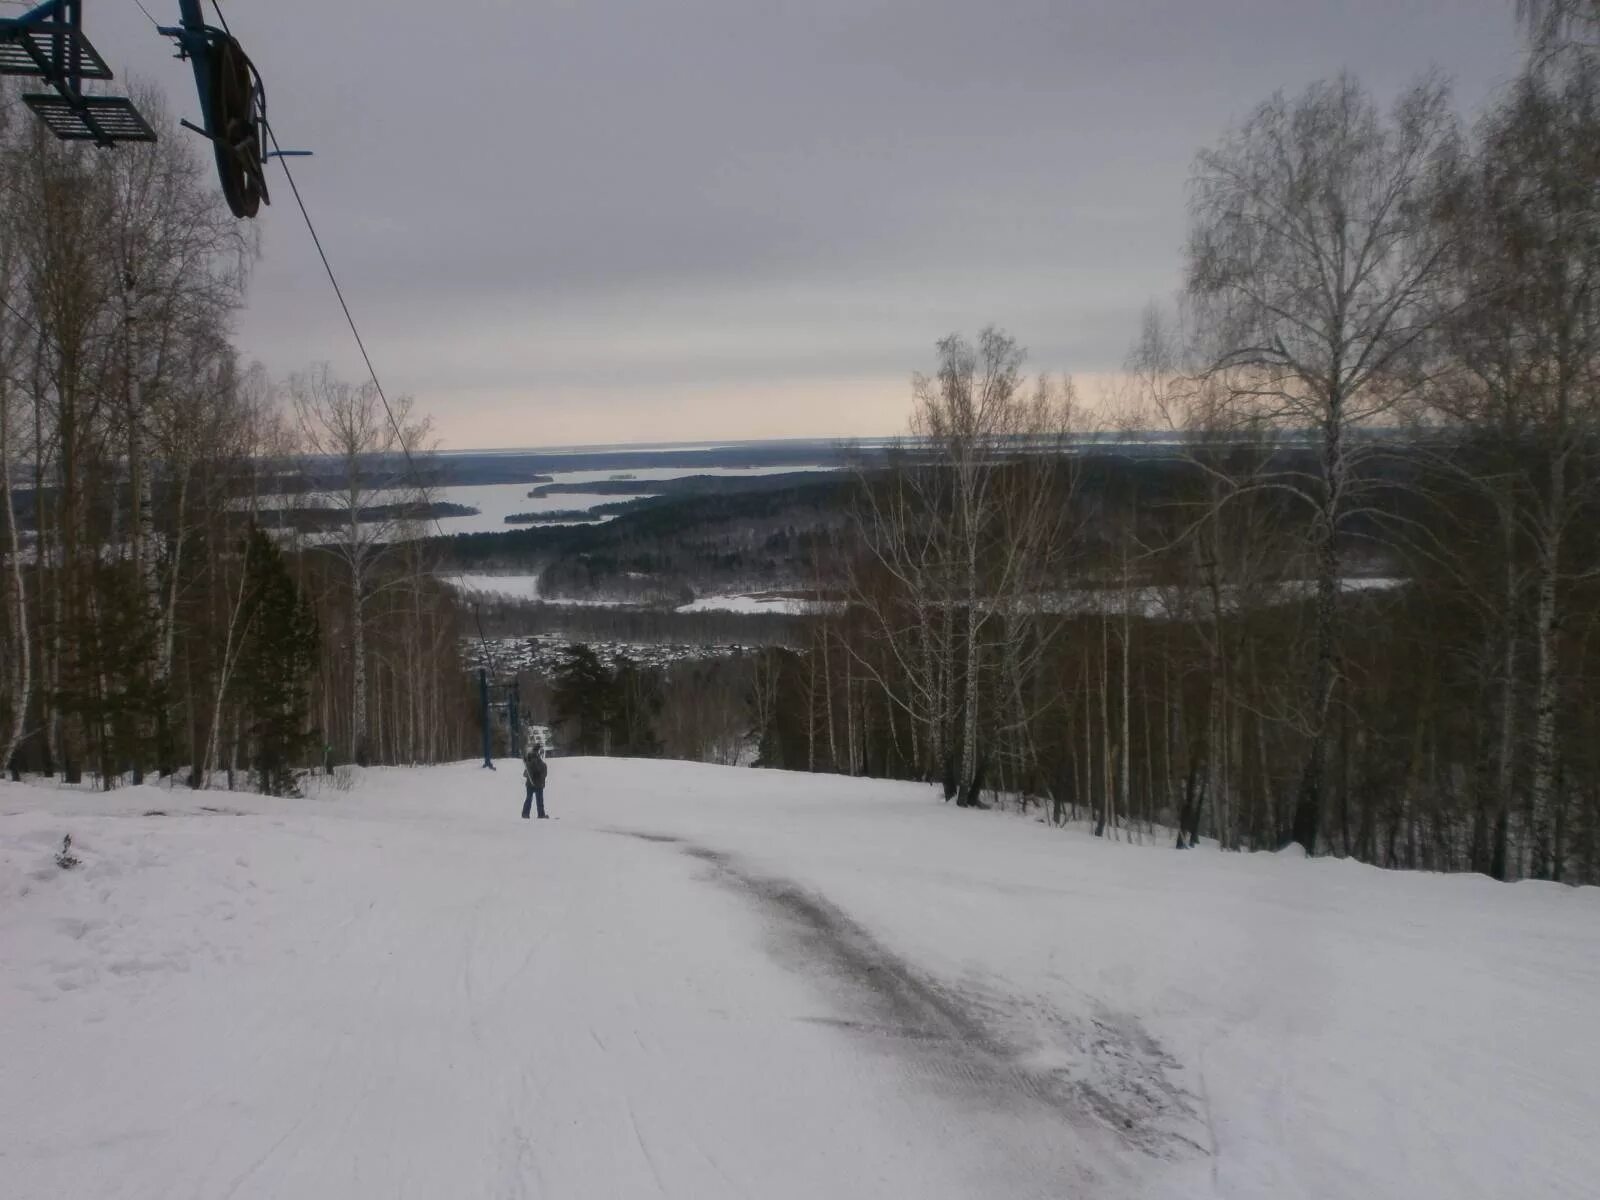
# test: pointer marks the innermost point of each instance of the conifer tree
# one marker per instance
(275, 670)
(583, 702)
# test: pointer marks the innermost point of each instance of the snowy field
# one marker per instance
(511, 587)
(519, 587)
(711, 983)
(526, 587)
(759, 602)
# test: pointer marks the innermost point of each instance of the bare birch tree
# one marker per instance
(958, 536)
(1314, 266)
(362, 469)
(1554, 26)
(17, 661)
(1527, 212)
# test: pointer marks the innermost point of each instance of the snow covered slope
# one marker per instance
(707, 982)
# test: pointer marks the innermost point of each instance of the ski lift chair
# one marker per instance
(48, 43)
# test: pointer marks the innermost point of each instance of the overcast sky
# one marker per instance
(571, 221)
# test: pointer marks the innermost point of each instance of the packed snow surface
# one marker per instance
(712, 983)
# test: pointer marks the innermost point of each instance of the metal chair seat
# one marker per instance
(100, 119)
(48, 50)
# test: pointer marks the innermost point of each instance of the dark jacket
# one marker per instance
(534, 770)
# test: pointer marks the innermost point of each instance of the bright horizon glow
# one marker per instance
(734, 221)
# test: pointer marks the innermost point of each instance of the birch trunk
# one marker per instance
(1308, 807)
(22, 679)
(827, 699)
(1123, 787)
(969, 693)
(1498, 864)
(1542, 801)
(230, 654)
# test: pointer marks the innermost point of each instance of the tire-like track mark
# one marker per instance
(1112, 1075)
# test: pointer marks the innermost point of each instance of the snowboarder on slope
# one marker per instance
(534, 773)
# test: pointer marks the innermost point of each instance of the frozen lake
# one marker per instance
(497, 501)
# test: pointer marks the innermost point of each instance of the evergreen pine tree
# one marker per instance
(275, 669)
(583, 702)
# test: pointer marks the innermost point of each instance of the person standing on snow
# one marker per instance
(534, 773)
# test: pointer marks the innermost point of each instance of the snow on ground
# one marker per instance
(708, 982)
(521, 587)
(525, 587)
(512, 587)
(758, 602)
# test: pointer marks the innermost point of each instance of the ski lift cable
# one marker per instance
(372, 371)
(361, 345)
(327, 265)
(477, 615)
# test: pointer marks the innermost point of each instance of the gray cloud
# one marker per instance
(651, 210)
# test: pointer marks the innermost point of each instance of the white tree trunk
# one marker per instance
(1546, 686)
(827, 698)
(230, 656)
(1108, 783)
(169, 620)
(1123, 785)
(969, 693)
(358, 672)
(22, 679)
(849, 717)
(1506, 782)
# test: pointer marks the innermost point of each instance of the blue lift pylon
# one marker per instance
(489, 707)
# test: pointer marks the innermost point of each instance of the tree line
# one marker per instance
(148, 625)
(702, 710)
(1386, 359)
(1349, 602)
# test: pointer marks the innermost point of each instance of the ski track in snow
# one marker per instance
(775, 986)
(956, 1036)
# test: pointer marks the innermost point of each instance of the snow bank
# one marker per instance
(715, 982)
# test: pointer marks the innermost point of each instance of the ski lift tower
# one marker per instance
(48, 43)
(497, 702)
